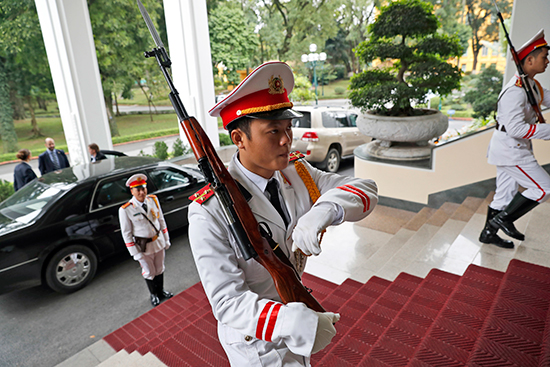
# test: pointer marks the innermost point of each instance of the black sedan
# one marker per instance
(55, 229)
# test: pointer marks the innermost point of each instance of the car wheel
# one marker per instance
(71, 269)
(332, 161)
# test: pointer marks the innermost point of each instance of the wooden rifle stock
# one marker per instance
(288, 285)
(524, 78)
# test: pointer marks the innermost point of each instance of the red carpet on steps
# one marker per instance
(483, 318)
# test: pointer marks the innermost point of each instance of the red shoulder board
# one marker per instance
(518, 83)
(126, 205)
(295, 155)
(202, 195)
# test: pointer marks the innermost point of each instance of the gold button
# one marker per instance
(248, 338)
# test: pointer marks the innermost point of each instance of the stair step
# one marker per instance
(453, 334)
(354, 343)
(397, 345)
(387, 219)
(515, 326)
(353, 308)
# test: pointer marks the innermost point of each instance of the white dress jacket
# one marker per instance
(514, 147)
(251, 319)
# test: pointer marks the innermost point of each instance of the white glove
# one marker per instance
(138, 256)
(306, 232)
(325, 330)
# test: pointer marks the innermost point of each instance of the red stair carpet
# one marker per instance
(483, 318)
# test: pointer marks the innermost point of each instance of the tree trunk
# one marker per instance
(35, 130)
(116, 106)
(18, 106)
(7, 128)
(112, 121)
(149, 101)
(42, 103)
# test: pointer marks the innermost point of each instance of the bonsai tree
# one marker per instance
(405, 33)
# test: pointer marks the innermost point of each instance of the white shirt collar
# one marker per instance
(258, 180)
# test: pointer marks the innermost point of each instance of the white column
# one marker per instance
(528, 17)
(189, 50)
(69, 43)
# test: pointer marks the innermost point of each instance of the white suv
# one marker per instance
(325, 134)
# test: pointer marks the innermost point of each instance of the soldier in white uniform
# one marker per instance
(254, 327)
(142, 225)
(511, 148)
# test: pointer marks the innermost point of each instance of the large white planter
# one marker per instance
(402, 138)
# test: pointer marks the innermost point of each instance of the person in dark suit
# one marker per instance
(52, 159)
(23, 173)
(95, 153)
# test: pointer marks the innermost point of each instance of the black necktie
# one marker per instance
(144, 206)
(273, 190)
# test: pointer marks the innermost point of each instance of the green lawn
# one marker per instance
(130, 127)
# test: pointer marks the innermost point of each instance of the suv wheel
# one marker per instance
(332, 161)
(71, 269)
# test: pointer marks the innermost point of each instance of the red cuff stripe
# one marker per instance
(130, 244)
(354, 190)
(530, 132)
(165, 230)
(529, 177)
(272, 321)
(261, 321)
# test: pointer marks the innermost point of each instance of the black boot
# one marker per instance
(155, 301)
(519, 206)
(489, 234)
(159, 281)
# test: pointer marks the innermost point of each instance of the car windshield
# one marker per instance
(27, 203)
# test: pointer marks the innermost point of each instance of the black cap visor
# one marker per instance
(281, 114)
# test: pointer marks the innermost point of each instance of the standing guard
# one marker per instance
(146, 236)
(292, 202)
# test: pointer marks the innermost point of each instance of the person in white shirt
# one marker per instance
(144, 230)
(511, 148)
(254, 327)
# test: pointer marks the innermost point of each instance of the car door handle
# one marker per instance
(169, 198)
(106, 219)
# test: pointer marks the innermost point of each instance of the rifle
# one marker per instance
(239, 216)
(524, 82)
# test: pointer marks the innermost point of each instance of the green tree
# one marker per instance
(451, 16)
(25, 62)
(302, 89)
(7, 129)
(484, 94)
(352, 18)
(405, 31)
(120, 38)
(481, 17)
(287, 27)
(232, 39)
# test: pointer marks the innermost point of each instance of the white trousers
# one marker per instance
(152, 265)
(531, 176)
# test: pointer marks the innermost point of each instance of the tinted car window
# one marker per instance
(27, 203)
(334, 119)
(166, 178)
(75, 202)
(111, 192)
(353, 120)
(304, 121)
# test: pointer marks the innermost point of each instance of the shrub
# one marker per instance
(339, 90)
(6, 190)
(178, 148)
(225, 140)
(161, 150)
(484, 95)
